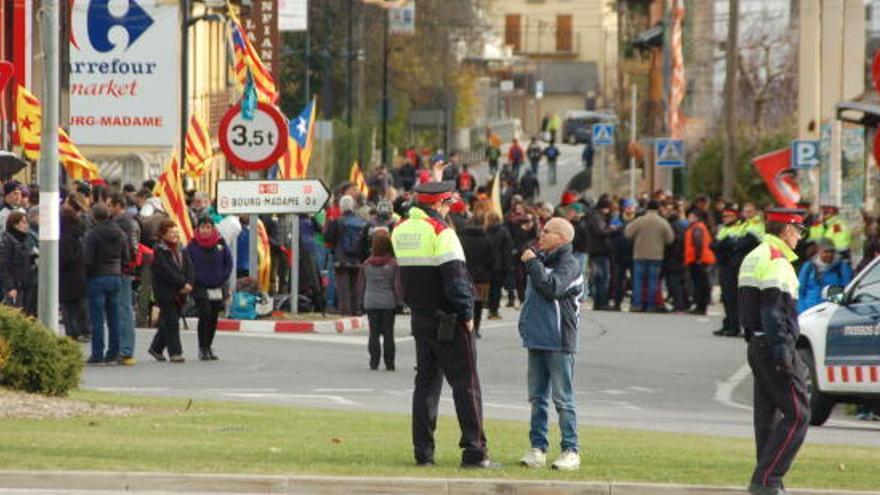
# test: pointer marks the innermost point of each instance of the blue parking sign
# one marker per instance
(603, 134)
(804, 154)
(669, 152)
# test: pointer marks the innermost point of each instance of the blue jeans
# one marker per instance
(600, 277)
(646, 279)
(104, 300)
(551, 374)
(126, 318)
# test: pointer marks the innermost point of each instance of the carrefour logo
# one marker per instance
(103, 16)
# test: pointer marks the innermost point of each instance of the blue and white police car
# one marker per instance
(840, 344)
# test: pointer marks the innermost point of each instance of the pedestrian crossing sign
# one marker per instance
(603, 134)
(669, 152)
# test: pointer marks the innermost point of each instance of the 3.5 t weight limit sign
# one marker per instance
(256, 144)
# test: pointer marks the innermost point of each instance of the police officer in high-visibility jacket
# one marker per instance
(439, 291)
(768, 289)
(726, 247)
(834, 229)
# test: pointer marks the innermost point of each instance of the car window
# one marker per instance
(868, 288)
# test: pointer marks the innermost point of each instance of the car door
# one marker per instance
(852, 347)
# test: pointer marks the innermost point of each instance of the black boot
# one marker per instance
(211, 353)
(204, 354)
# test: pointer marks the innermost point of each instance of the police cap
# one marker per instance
(431, 192)
(830, 208)
(730, 208)
(785, 215)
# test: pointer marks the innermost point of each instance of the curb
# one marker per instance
(343, 325)
(247, 484)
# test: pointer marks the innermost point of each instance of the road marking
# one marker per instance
(336, 399)
(724, 390)
(343, 390)
(357, 340)
(613, 392)
(643, 389)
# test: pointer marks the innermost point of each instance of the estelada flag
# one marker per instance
(295, 163)
(29, 119)
(246, 59)
(198, 151)
(356, 177)
(780, 178)
(169, 189)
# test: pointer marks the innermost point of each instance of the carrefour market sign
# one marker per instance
(124, 72)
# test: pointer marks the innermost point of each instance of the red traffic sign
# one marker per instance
(6, 71)
(256, 144)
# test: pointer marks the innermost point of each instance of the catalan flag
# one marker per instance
(29, 119)
(264, 259)
(246, 59)
(199, 151)
(295, 163)
(356, 177)
(169, 189)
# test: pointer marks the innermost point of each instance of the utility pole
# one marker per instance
(350, 64)
(184, 79)
(729, 170)
(48, 173)
(385, 87)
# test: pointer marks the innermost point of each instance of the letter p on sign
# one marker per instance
(805, 154)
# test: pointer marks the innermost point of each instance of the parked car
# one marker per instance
(840, 344)
(578, 124)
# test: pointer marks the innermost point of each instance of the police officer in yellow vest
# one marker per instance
(834, 229)
(439, 291)
(753, 222)
(727, 253)
(768, 290)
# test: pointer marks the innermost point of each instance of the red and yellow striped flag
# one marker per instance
(199, 150)
(264, 258)
(679, 84)
(169, 189)
(29, 119)
(246, 59)
(356, 177)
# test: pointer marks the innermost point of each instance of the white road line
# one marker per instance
(643, 389)
(724, 390)
(613, 392)
(357, 340)
(332, 398)
(343, 390)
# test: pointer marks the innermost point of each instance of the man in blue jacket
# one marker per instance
(548, 325)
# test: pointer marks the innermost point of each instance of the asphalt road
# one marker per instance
(659, 372)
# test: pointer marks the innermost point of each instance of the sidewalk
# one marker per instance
(62, 482)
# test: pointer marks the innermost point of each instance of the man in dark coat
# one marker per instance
(72, 278)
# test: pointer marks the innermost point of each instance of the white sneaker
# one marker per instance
(536, 458)
(569, 460)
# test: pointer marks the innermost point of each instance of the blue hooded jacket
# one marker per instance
(551, 313)
(811, 282)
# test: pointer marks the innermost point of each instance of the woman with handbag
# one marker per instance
(172, 283)
(212, 264)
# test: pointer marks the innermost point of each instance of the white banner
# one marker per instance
(293, 15)
(125, 72)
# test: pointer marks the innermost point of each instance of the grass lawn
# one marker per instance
(223, 437)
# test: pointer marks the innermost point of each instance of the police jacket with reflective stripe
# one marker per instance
(551, 312)
(432, 265)
(768, 291)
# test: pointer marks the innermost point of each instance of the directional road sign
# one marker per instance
(603, 134)
(246, 197)
(255, 144)
(669, 152)
(804, 154)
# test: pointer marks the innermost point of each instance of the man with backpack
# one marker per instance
(534, 154)
(346, 237)
(552, 153)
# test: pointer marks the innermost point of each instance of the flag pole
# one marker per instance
(48, 169)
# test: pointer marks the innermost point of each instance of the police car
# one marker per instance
(840, 344)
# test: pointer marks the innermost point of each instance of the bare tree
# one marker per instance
(767, 65)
